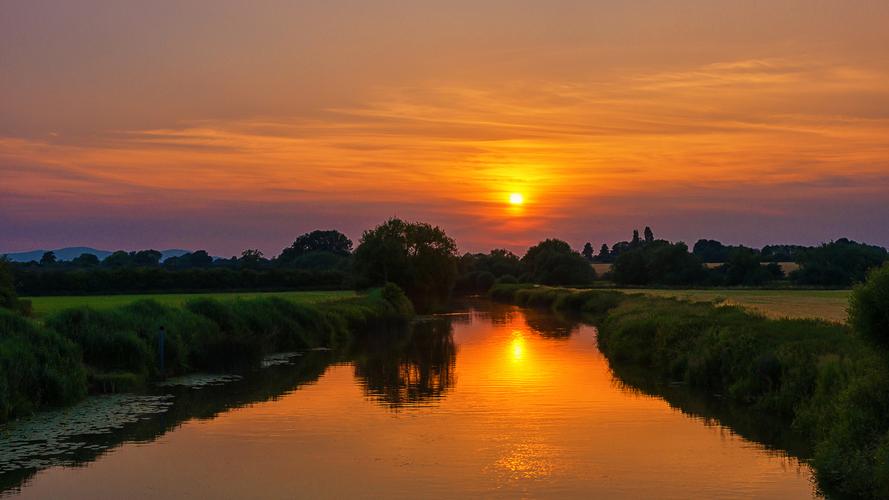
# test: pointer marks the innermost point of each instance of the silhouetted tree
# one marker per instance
(604, 254)
(118, 259)
(416, 256)
(85, 260)
(554, 262)
(331, 241)
(250, 258)
(48, 259)
(660, 262)
(840, 263)
(636, 241)
(588, 251)
(146, 258)
(649, 235)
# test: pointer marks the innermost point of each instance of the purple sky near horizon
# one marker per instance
(168, 124)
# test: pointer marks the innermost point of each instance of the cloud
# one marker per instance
(728, 137)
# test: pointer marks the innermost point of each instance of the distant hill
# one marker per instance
(70, 253)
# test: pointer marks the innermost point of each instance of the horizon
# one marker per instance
(273, 253)
(170, 125)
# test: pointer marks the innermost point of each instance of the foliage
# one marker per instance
(8, 298)
(743, 267)
(553, 262)
(840, 263)
(44, 366)
(330, 241)
(659, 262)
(418, 257)
(869, 307)
(38, 368)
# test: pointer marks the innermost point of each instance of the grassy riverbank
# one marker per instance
(46, 305)
(822, 378)
(56, 361)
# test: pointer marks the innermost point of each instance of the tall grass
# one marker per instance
(828, 381)
(38, 367)
(118, 349)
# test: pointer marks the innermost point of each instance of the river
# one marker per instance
(490, 401)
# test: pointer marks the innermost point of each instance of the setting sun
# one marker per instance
(516, 198)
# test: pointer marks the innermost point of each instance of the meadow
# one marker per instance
(827, 305)
(43, 306)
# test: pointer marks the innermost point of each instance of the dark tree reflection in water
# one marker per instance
(415, 370)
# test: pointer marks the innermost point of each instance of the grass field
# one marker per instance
(48, 305)
(787, 267)
(829, 305)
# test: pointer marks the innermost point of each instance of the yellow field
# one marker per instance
(787, 267)
(828, 305)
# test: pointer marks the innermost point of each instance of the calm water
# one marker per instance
(494, 402)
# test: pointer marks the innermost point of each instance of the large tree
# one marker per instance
(554, 262)
(318, 241)
(416, 256)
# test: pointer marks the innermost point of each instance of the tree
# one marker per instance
(840, 263)
(554, 262)
(636, 241)
(604, 254)
(649, 235)
(416, 256)
(250, 258)
(118, 259)
(145, 258)
(330, 241)
(660, 262)
(200, 258)
(85, 260)
(744, 268)
(8, 297)
(588, 251)
(711, 251)
(48, 259)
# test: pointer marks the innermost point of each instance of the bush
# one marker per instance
(506, 279)
(869, 307)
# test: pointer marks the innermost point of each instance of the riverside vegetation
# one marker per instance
(78, 350)
(825, 380)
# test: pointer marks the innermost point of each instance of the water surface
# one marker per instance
(495, 401)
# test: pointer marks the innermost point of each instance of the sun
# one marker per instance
(516, 198)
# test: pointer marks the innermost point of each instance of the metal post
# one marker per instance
(160, 347)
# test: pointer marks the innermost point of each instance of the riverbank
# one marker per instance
(821, 378)
(78, 350)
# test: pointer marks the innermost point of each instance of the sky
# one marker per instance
(228, 125)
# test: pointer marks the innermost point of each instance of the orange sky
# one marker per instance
(124, 125)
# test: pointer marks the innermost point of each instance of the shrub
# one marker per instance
(869, 307)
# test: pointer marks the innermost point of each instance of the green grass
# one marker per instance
(828, 305)
(43, 306)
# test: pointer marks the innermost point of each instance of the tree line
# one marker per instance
(423, 260)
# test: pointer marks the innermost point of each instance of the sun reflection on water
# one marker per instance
(517, 346)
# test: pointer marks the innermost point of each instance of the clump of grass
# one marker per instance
(37, 368)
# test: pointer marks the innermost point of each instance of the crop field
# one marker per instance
(828, 305)
(787, 267)
(48, 305)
